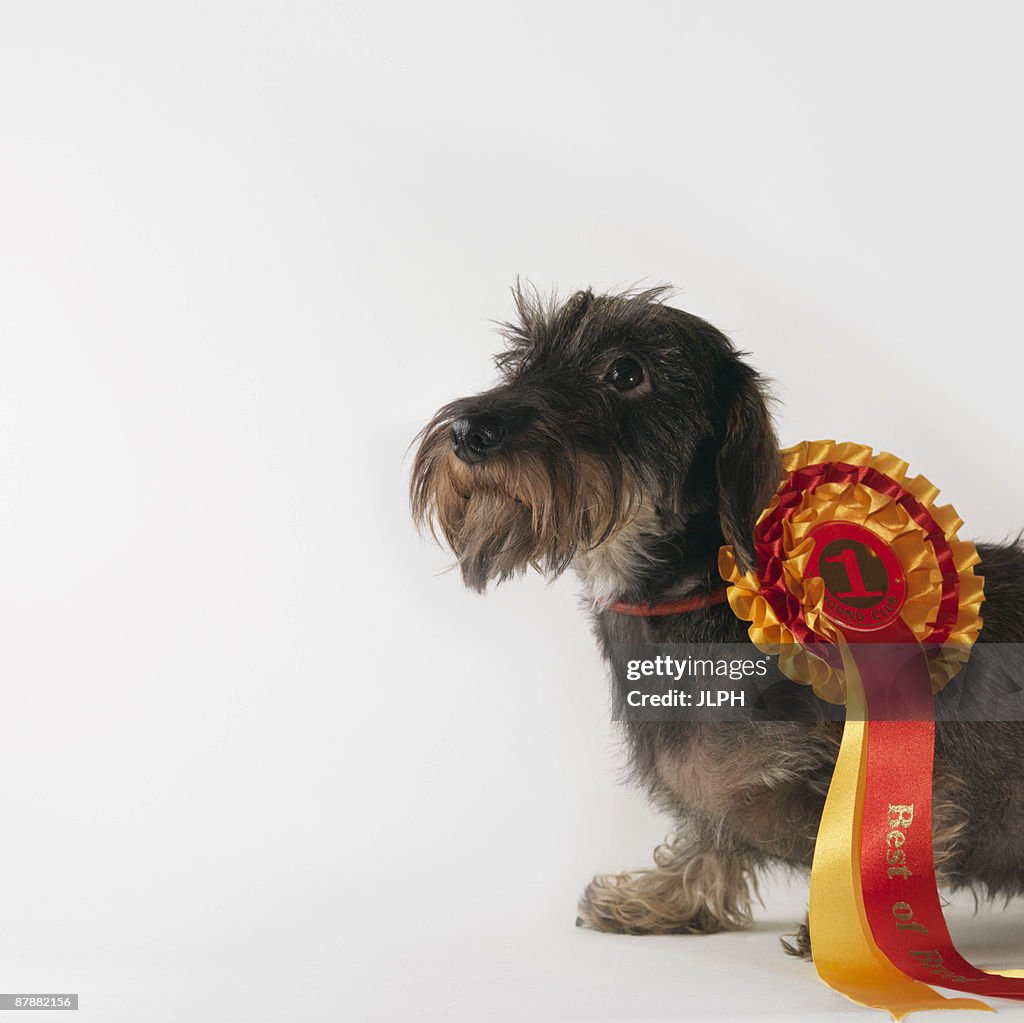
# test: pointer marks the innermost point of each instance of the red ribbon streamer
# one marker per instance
(896, 858)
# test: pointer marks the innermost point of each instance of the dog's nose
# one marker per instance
(476, 437)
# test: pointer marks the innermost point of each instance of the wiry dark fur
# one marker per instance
(638, 492)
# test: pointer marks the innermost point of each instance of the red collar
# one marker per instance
(672, 607)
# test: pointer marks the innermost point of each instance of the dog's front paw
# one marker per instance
(650, 902)
(798, 944)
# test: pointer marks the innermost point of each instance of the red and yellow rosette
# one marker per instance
(863, 590)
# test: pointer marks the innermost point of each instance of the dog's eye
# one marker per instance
(625, 374)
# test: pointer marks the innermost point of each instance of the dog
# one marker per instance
(629, 440)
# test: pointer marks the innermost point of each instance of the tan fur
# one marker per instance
(516, 512)
(950, 818)
(691, 890)
(614, 565)
(711, 784)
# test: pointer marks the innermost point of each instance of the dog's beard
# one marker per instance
(519, 509)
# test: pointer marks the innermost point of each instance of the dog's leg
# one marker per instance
(694, 888)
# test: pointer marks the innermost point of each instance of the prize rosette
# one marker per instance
(850, 518)
(863, 590)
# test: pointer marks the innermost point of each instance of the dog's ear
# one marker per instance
(748, 467)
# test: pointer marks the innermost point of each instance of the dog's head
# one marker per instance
(616, 416)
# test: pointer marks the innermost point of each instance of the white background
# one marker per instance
(261, 759)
